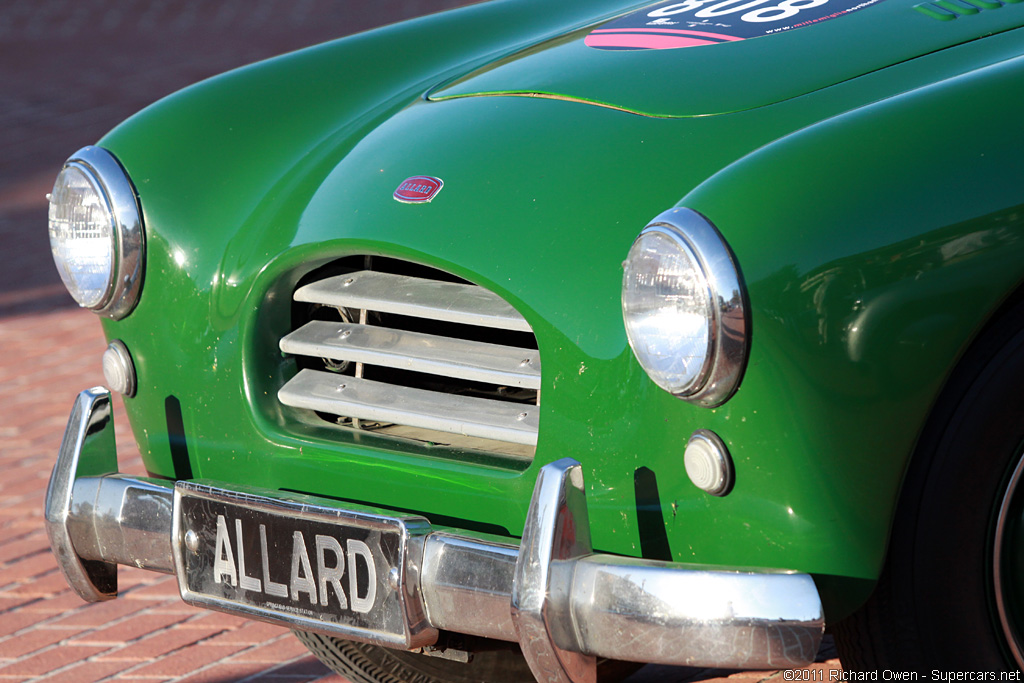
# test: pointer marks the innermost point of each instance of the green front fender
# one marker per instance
(876, 246)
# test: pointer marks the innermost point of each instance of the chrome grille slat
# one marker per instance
(418, 297)
(369, 400)
(413, 353)
(405, 350)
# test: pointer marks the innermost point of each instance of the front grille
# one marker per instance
(414, 353)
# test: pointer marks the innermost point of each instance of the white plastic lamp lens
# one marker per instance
(708, 464)
(118, 369)
(667, 309)
(82, 236)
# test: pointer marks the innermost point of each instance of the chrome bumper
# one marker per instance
(562, 603)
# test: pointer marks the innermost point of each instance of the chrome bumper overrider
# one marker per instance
(562, 603)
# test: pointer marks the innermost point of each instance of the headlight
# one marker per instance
(96, 233)
(683, 307)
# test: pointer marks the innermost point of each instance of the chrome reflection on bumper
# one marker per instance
(97, 519)
(560, 601)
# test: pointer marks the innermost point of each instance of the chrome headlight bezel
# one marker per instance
(119, 199)
(719, 375)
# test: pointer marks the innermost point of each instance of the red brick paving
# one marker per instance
(81, 67)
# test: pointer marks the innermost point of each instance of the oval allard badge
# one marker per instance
(418, 189)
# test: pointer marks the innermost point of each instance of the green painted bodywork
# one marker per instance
(724, 78)
(872, 197)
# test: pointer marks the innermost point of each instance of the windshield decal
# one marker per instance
(693, 23)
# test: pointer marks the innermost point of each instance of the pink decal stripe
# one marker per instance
(703, 34)
(628, 40)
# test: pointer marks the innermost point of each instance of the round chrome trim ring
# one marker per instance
(129, 251)
(119, 370)
(997, 572)
(683, 244)
(723, 462)
(729, 328)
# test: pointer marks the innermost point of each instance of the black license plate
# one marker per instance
(302, 562)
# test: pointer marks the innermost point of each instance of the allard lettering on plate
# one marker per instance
(316, 572)
(288, 560)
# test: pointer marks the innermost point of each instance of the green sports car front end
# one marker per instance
(578, 334)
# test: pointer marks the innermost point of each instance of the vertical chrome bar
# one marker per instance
(363, 317)
(88, 449)
(557, 533)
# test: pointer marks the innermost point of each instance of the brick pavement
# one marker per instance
(71, 70)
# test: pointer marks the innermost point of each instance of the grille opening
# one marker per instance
(410, 378)
(379, 264)
(411, 352)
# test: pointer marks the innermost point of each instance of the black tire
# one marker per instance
(362, 663)
(935, 604)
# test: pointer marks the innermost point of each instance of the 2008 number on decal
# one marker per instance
(715, 8)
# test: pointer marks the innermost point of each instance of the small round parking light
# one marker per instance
(118, 369)
(708, 463)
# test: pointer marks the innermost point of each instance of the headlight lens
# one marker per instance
(82, 236)
(96, 233)
(667, 309)
(683, 308)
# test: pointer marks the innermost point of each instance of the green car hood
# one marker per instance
(719, 73)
